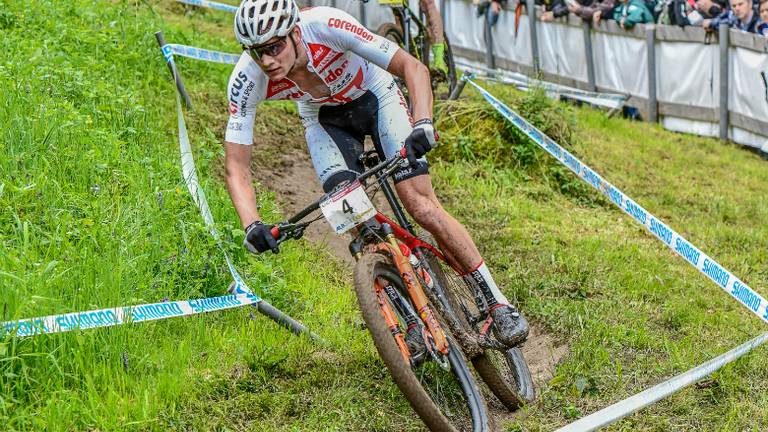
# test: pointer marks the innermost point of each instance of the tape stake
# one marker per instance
(52, 324)
(718, 274)
(654, 394)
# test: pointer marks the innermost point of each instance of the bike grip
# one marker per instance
(403, 153)
(275, 231)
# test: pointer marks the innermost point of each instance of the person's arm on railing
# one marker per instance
(588, 12)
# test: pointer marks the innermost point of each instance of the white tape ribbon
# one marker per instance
(714, 271)
(122, 315)
(199, 54)
(608, 100)
(210, 4)
(189, 172)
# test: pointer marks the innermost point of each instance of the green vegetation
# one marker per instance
(632, 312)
(94, 213)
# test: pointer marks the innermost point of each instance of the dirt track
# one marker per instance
(290, 174)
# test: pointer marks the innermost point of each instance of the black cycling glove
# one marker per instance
(258, 238)
(421, 140)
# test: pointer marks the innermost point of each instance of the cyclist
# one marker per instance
(339, 74)
(435, 30)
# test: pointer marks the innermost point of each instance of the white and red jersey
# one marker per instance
(345, 55)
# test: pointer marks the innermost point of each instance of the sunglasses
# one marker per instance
(271, 50)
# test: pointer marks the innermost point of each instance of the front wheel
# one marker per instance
(441, 389)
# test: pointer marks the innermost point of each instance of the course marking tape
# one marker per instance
(122, 315)
(210, 4)
(189, 172)
(714, 271)
(199, 54)
(609, 100)
(654, 394)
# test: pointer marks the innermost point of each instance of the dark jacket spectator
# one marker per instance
(593, 10)
(631, 12)
(493, 9)
(710, 9)
(742, 16)
(687, 12)
(553, 9)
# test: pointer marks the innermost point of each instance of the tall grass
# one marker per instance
(94, 213)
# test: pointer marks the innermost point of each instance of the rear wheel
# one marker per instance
(505, 373)
(441, 390)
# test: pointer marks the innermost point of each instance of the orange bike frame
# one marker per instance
(415, 291)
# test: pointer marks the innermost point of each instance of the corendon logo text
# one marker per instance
(335, 73)
(352, 28)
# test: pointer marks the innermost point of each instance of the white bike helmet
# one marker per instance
(258, 21)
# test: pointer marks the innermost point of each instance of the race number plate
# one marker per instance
(347, 208)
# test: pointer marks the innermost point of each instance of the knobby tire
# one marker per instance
(367, 269)
(505, 373)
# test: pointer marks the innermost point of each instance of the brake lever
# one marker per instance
(286, 231)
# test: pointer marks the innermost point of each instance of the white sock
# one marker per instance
(482, 279)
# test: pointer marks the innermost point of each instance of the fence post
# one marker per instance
(362, 14)
(490, 60)
(653, 104)
(722, 33)
(530, 5)
(587, 27)
(442, 13)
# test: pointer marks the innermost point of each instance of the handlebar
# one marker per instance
(293, 228)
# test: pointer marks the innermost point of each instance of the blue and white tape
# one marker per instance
(199, 54)
(189, 171)
(122, 315)
(704, 263)
(210, 4)
(190, 178)
(613, 101)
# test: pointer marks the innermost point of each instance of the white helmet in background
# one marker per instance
(258, 21)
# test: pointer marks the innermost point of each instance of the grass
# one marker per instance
(632, 312)
(94, 213)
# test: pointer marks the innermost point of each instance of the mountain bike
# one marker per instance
(402, 282)
(417, 43)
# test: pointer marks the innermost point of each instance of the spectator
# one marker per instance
(553, 9)
(631, 12)
(678, 12)
(493, 13)
(593, 10)
(705, 11)
(762, 26)
(741, 16)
